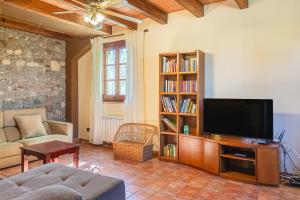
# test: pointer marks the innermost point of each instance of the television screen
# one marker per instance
(251, 118)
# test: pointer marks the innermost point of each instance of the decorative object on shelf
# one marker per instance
(186, 129)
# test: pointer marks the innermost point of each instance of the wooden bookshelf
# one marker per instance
(189, 66)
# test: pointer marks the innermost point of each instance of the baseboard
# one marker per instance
(82, 141)
(107, 144)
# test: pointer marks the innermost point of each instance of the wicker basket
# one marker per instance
(134, 141)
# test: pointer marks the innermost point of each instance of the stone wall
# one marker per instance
(32, 72)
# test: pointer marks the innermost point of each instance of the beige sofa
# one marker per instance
(10, 138)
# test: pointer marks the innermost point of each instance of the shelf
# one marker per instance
(168, 133)
(188, 114)
(169, 159)
(185, 93)
(168, 93)
(232, 156)
(189, 53)
(183, 73)
(171, 54)
(168, 113)
(168, 73)
(190, 136)
(239, 176)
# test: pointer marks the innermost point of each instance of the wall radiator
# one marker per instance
(110, 125)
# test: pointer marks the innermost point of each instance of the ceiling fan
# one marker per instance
(95, 11)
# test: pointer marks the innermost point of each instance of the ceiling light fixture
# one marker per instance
(93, 14)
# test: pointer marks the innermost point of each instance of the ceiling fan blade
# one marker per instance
(109, 12)
(111, 3)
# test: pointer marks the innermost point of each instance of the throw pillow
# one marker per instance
(30, 126)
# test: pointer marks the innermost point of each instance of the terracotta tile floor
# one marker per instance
(157, 180)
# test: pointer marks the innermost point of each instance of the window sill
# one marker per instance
(113, 99)
(113, 102)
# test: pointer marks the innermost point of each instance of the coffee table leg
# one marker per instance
(24, 161)
(76, 158)
(46, 159)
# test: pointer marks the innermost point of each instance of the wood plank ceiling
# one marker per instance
(156, 10)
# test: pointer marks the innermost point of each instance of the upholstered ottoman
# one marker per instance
(75, 182)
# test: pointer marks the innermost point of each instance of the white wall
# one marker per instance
(251, 53)
(84, 93)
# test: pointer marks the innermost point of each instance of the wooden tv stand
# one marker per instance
(232, 157)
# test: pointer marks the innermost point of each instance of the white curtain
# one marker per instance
(96, 133)
(134, 101)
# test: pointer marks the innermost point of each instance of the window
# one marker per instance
(115, 71)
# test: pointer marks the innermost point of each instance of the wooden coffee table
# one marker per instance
(49, 152)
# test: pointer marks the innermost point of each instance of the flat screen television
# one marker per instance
(251, 118)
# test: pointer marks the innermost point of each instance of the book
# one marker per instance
(170, 124)
(169, 104)
(188, 106)
(170, 86)
(189, 64)
(168, 65)
(188, 86)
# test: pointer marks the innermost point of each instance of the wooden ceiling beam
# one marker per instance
(242, 3)
(48, 9)
(80, 2)
(121, 22)
(149, 10)
(77, 3)
(7, 22)
(193, 6)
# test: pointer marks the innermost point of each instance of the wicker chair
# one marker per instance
(133, 141)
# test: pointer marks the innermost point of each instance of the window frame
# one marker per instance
(117, 46)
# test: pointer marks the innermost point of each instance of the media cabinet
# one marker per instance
(259, 164)
(218, 155)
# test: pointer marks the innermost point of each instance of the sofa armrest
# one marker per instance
(63, 128)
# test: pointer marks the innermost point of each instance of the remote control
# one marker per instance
(240, 155)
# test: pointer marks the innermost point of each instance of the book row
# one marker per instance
(188, 106)
(169, 65)
(188, 65)
(169, 104)
(188, 86)
(170, 86)
(170, 124)
(170, 150)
